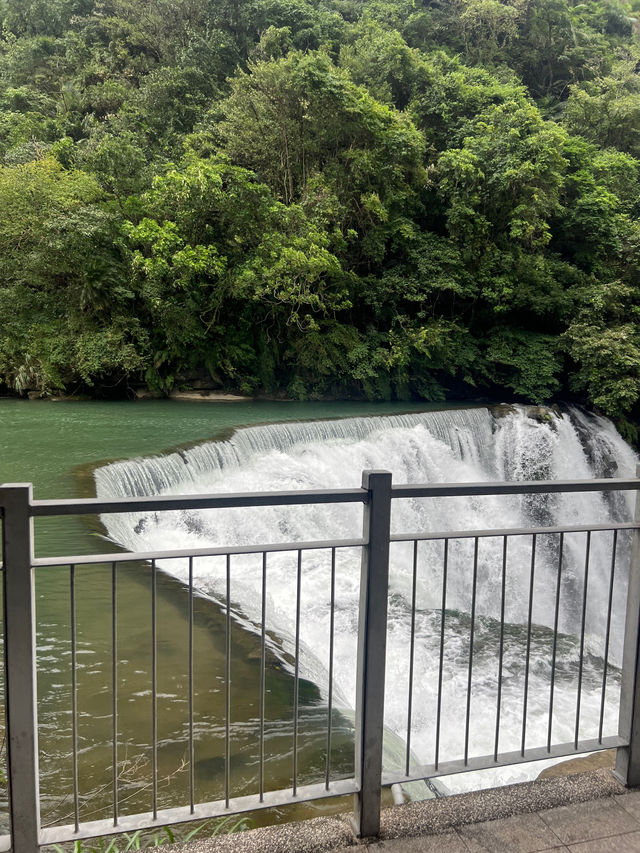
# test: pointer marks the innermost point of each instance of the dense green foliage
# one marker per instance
(388, 198)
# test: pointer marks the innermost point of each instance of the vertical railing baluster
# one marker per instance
(554, 653)
(114, 689)
(74, 697)
(192, 769)
(582, 630)
(471, 638)
(527, 663)
(154, 693)
(501, 649)
(296, 682)
(372, 644)
(445, 565)
(331, 640)
(607, 634)
(411, 653)
(628, 757)
(20, 667)
(227, 687)
(263, 666)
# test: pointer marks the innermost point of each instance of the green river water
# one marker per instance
(56, 447)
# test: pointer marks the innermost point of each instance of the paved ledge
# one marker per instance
(433, 817)
(548, 814)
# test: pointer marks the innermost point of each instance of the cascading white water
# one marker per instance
(450, 446)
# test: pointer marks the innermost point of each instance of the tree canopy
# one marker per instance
(376, 198)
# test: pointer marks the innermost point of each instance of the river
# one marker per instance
(64, 449)
(57, 446)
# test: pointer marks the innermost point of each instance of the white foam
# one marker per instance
(453, 446)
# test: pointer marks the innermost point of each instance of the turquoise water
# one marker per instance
(49, 444)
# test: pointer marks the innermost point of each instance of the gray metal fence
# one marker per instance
(19, 510)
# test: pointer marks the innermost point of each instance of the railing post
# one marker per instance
(20, 668)
(372, 643)
(628, 757)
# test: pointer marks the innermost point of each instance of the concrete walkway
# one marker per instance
(585, 813)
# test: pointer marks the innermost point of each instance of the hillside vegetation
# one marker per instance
(332, 197)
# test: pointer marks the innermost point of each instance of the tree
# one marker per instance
(299, 117)
(488, 27)
(604, 341)
(451, 96)
(502, 185)
(221, 260)
(65, 308)
(382, 61)
(607, 110)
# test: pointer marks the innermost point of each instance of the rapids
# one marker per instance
(468, 445)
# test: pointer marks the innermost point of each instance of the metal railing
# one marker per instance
(19, 510)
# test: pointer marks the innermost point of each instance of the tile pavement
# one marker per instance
(609, 825)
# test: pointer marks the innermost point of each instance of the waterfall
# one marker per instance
(466, 445)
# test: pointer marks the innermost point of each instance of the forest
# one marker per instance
(381, 199)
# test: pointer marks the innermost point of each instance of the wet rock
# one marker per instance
(596, 761)
(541, 414)
(502, 410)
(140, 526)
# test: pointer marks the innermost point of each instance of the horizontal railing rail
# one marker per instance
(19, 511)
(147, 556)
(496, 532)
(506, 759)
(531, 487)
(99, 506)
